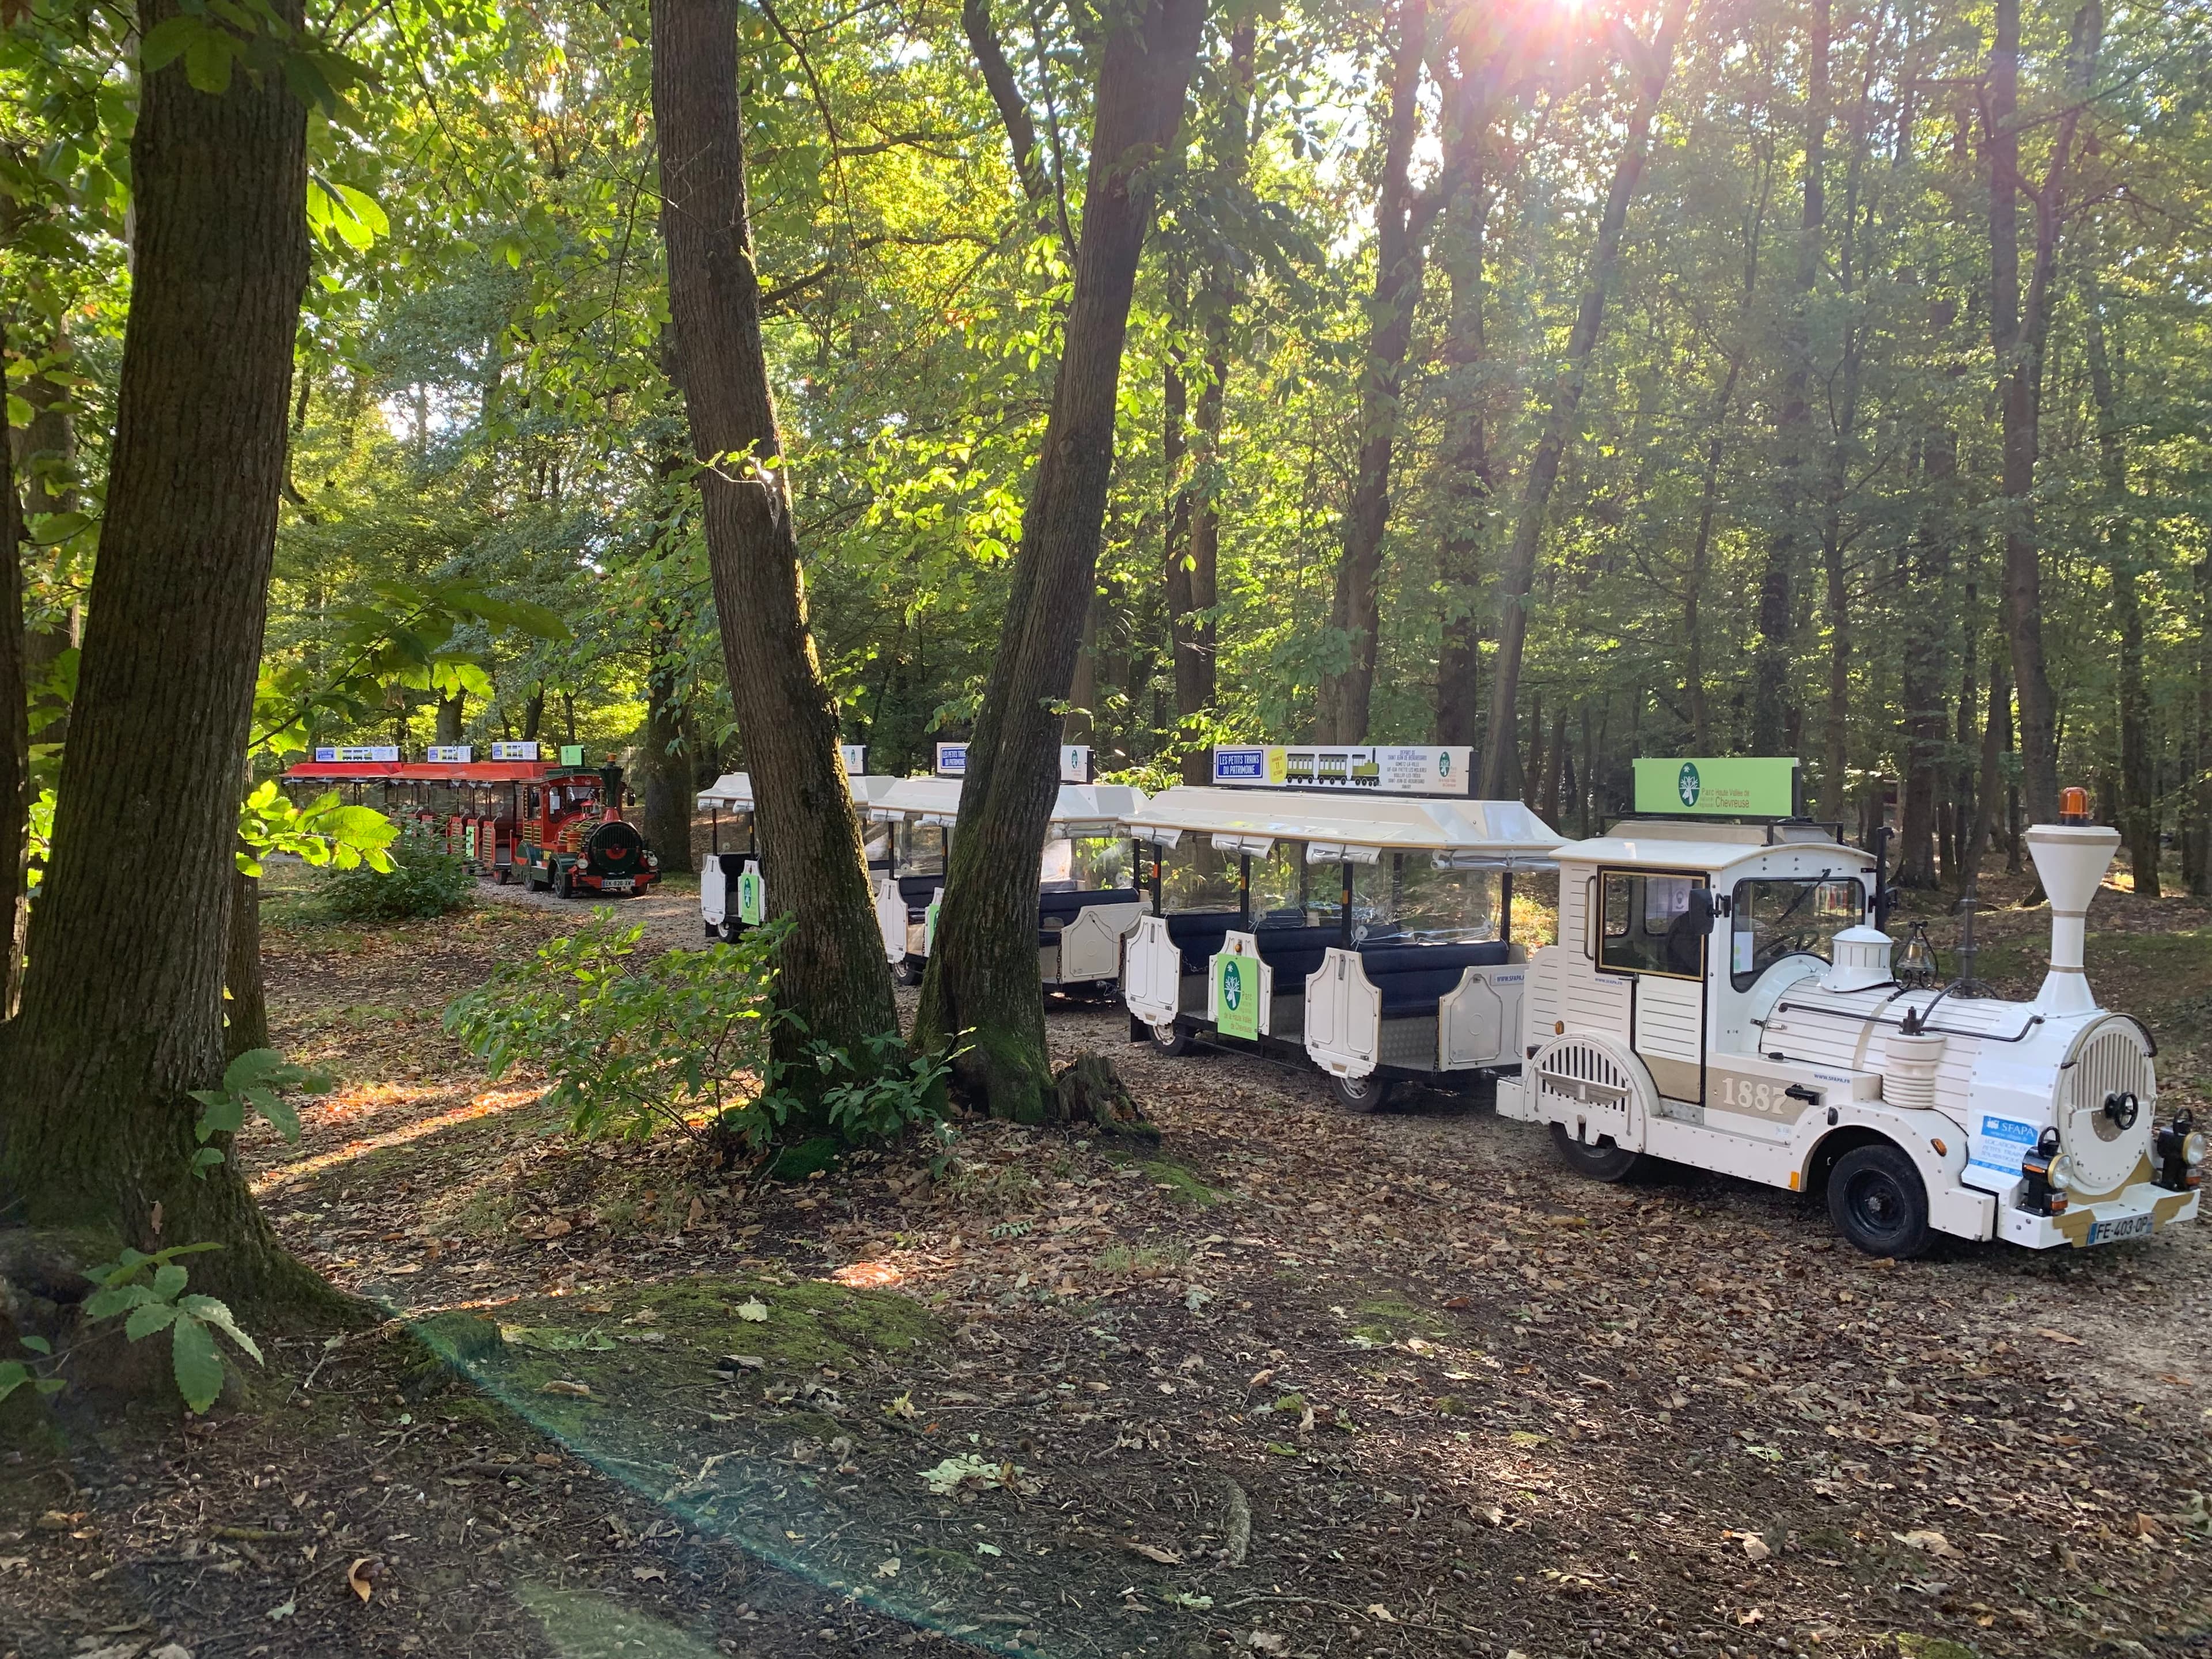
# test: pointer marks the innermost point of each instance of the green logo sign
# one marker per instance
(1237, 996)
(752, 901)
(1762, 786)
(929, 928)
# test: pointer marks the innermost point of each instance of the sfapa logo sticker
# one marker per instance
(2007, 1129)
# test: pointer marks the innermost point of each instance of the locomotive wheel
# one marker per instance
(502, 875)
(1878, 1200)
(1362, 1094)
(1170, 1039)
(564, 885)
(908, 971)
(1603, 1162)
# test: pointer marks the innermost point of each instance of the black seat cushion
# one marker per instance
(1295, 953)
(1412, 979)
(1198, 934)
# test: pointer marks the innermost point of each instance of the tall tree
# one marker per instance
(96, 1122)
(1469, 481)
(1651, 67)
(831, 973)
(981, 989)
(15, 731)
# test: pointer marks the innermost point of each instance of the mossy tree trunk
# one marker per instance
(14, 728)
(834, 976)
(121, 1002)
(981, 987)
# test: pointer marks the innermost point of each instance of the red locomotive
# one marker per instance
(575, 839)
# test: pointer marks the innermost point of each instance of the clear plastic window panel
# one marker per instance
(1288, 892)
(1777, 919)
(922, 849)
(1404, 897)
(1197, 875)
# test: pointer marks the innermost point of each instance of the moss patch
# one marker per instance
(1184, 1186)
(1390, 1321)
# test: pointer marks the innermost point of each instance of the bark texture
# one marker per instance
(15, 730)
(1653, 65)
(832, 973)
(982, 995)
(122, 1004)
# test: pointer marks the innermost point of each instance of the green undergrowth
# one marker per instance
(1389, 1319)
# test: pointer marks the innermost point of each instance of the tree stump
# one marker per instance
(1088, 1089)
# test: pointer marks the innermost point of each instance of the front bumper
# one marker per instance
(2136, 1212)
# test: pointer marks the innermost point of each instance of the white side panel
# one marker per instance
(1588, 1003)
(890, 919)
(1669, 1015)
(1547, 968)
(714, 892)
(1091, 946)
(1152, 972)
(1479, 1023)
(1344, 1016)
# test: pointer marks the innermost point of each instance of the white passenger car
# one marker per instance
(1717, 998)
(732, 895)
(1371, 931)
(1087, 899)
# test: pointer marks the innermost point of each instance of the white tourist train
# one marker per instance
(1087, 899)
(1368, 927)
(1715, 997)
(732, 895)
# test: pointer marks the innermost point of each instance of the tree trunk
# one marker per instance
(1006, 95)
(46, 463)
(2138, 803)
(533, 714)
(1402, 219)
(1191, 690)
(122, 1000)
(665, 789)
(453, 716)
(1469, 484)
(831, 972)
(2017, 328)
(1653, 68)
(2197, 846)
(1989, 793)
(981, 998)
(1927, 571)
(15, 731)
(1769, 695)
(246, 1008)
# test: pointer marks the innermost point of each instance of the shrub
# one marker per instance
(424, 880)
(637, 1044)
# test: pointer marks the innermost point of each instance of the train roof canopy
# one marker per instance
(1344, 822)
(1679, 844)
(733, 791)
(1081, 808)
(431, 772)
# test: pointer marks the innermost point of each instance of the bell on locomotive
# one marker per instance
(1722, 995)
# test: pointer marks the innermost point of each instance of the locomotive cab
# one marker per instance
(1718, 997)
(575, 840)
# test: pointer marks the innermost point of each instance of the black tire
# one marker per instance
(1603, 1162)
(1879, 1202)
(732, 930)
(908, 971)
(1170, 1040)
(1362, 1094)
(564, 885)
(503, 875)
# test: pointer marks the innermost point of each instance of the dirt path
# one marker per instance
(1293, 1383)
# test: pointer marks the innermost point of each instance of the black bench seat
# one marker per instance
(1412, 979)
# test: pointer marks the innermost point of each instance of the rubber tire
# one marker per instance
(1177, 1042)
(732, 930)
(1362, 1094)
(1879, 1202)
(1604, 1162)
(564, 885)
(908, 971)
(502, 875)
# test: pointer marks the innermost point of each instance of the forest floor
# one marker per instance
(1290, 1382)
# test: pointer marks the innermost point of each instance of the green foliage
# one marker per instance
(325, 831)
(149, 1292)
(255, 1082)
(421, 879)
(637, 1044)
(18, 1373)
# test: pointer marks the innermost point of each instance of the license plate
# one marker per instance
(619, 886)
(2126, 1227)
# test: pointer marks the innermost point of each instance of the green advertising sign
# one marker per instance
(1759, 787)
(1237, 996)
(752, 901)
(572, 754)
(929, 926)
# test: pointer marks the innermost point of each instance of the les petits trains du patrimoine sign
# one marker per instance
(1404, 769)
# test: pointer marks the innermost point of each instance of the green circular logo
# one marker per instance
(1686, 784)
(1232, 985)
(1444, 764)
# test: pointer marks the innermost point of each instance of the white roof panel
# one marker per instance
(1675, 846)
(733, 791)
(1501, 828)
(1088, 808)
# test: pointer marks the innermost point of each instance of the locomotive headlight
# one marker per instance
(2181, 1148)
(2061, 1173)
(2194, 1147)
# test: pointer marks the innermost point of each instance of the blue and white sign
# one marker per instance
(522, 749)
(951, 760)
(855, 756)
(358, 751)
(1075, 763)
(1243, 763)
(449, 754)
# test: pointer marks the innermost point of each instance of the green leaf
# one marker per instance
(197, 1365)
(203, 1160)
(38, 1344)
(224, 1117)
(210, 1311)
(114, 1299)
(170, 1281)
(207, 61)
(161, 45)
(145, 1321)
(14, 1373)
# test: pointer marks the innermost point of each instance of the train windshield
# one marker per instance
(1411, 898)
(922, 849)
(1196, 875)
(1288, 892)
(1778, 919)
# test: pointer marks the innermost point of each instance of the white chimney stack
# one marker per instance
(2071, 858)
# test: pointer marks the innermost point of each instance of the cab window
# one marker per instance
(1777, 919)
(1654, 924)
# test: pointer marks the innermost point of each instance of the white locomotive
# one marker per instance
(1716, 999)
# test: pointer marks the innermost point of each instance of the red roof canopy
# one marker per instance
(439, 772)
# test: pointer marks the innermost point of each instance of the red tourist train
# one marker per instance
(556, 826)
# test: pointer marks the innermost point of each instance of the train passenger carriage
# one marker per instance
(1371, 931)
(1087, 898)
(733, 897)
